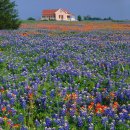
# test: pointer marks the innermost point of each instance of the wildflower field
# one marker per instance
(77, 26)
(65, 78)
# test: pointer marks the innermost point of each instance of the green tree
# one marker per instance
(109, 18)
(31, 18)
(88, 17)
(85, 18)
(8, 15)
(79, 18)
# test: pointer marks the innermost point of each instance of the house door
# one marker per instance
(61, 17)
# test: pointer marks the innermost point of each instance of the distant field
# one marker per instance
(77, 26)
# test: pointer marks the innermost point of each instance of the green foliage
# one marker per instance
(118, 21)
(8, 15)
(88, 17)
(109, 18)
(79, 18)
(31, 18)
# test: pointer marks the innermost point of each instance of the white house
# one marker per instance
(58, 15)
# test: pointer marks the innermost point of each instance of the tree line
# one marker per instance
(88, 17)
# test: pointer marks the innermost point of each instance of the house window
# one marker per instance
(61, 17)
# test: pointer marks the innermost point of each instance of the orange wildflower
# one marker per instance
(104, 89)
(10, 111)
(92, 103)
(13, 95)
(112, 94)
(2, 90)
(4, 109)
(72, 96)
(91, 106)
(28, 87)
(5, 118)
(16, 125)
(24, 34)
(115, 105)
(30, 96)
(99, 108)
(82, 108)
(75, 27)
(8, 123)
(98, 105)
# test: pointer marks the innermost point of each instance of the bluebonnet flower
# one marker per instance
(121, 116)
(23, 128)
(123, 106)
(44, 92)
(121, 121)
(21, 118)
(104, 120)
(12, 101)
(13, 111)
(37, 123)
(91, 127)
(63, 112)
(79, 122)
(62, 120)
(64, 91)
(89, 119)
(106, 111)
(58, 121)
(97, 85)
(116, 117)
(128, 107)
(9, 94)
(1, 120)
(1, 60)
(48, 121)
(125, 113)
(52, 93)
(23, 103)
(98, 97)
(72, 112)
(66, 125)
(35, 86)
(61, 128)
(112, 126)
(8, 107)
(111, 113)
(83, 113)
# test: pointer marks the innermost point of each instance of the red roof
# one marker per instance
(51, 12)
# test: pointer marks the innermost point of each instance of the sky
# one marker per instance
(117, 9)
